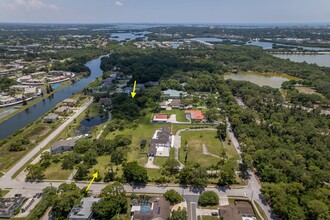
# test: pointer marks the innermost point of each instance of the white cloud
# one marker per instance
(27, 5)
(119, 3)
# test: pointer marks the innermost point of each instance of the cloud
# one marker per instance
(27, 5)
(119, 3)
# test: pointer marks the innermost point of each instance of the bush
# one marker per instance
(208, 198)
(172, 196)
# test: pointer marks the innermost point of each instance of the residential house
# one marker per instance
(105, 101)
(107, 83)
(160, 118)
(63, 145)
(156, 208)
(176, 104)
(51, 118)
(63, 110)
(173, 94)
(83, 211)
(70, 102)
(161, 143)
(194, 115)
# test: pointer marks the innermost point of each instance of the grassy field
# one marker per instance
(35, 131)
(195, 139)
(180, 116)
(307, 90)
(55, 172)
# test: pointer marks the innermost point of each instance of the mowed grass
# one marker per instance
(180, 116)
(55, 172)
(102, 165)
(195, 139)
(207, 217)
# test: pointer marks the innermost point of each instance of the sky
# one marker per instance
(165, 11)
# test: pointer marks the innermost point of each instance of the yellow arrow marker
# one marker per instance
(133, 93)
(94, 176)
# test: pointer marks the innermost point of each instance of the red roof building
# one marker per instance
(194, 115)
(160, 118)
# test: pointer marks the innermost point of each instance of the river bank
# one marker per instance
(34, 111)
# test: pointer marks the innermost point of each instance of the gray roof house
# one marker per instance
(50, 118)
(83, 211)
(161, 142)
(173, 94)
(63, 145)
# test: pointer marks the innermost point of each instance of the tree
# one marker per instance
(227, 172)
(180, 214)
(82, 172)
(35, 172)
(208, 198)
(171, 166)
(117, 156)
(212, 114)
(70, 195)
(89, 158)
(193, 174)
(172, 196)
(222, 130)
(135, 173)
(70, 160)
(113, 201)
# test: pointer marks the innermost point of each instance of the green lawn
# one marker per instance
(207, 217)
(195, 139)
(180, 116)
(160, 161)
(55, 172)
(102, 165)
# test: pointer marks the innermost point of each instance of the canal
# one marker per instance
(34, 112)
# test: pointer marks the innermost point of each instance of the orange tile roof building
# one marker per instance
(160, 118)
(194, 115)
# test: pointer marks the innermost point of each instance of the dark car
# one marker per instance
(39, 195)
(214, 213)
(18, 195)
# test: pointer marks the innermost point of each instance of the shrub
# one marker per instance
(172, 196)
(208, 198)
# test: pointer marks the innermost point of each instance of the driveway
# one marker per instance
(150, 163)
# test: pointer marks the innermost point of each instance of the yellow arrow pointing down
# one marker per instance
(95, 175)
(133, 93)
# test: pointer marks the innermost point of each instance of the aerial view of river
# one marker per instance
(269, 45)
(34, 112)
(319, 59)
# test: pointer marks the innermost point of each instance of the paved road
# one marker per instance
(43, 143)
(254, 186)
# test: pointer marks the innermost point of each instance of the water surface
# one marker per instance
(321, 60)
(259, 79)
(34, 112)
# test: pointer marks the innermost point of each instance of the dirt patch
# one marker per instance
(40, 133)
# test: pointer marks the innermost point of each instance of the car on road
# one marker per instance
(18, 195)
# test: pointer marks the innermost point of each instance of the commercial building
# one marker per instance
(63, 145)
(9, 205)
(83, 211)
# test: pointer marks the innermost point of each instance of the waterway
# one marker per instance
(274, 81)
(127, 36)
(269, 45)
(321, 60)
(31, 114)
